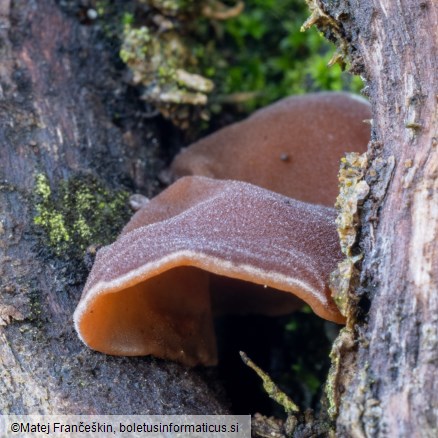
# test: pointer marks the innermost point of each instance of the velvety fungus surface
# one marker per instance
(291, 147)
(204, 247)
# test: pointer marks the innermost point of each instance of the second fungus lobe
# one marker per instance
(156, 289)
(250, 229)
(292, 147)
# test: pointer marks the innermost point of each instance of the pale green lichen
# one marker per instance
(271, 388)
(341, 282)
(81, 212)
(160, 55)
(319, 17)
(254, 56)
(330, 27)
(136, 44)
(160, 66)
(338, 374)
(353, 191)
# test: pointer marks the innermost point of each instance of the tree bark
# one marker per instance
(389, 387)
(66, 114)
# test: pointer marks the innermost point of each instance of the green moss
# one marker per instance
(271, 388)
(257, 56)
(136, 44)
(81, 212)
(264, 52)
(50, 220)
(42, 187)
(160, 58)
(353, 189)
(339, 375)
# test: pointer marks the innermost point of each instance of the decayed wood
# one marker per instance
(394, 361)
(59, 96)
(65, 113)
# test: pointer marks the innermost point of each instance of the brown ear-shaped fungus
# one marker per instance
(153, 291)
(292, 147)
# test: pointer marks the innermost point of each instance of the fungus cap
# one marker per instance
(154, 290)
(292, 147)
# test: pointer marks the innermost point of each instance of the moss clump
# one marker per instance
(158, 46)
(160, 65)
(353, 191)
(49, 218)
(136, 44)
(340, 374)
(344, 280)
(177, 49)
(264, 54)
(80, 212)
(271, 388)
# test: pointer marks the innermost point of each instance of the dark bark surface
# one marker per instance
(65, 114)
(391, 389)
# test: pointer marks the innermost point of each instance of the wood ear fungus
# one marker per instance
(157, 287)
(228, 245)
(291, 147)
